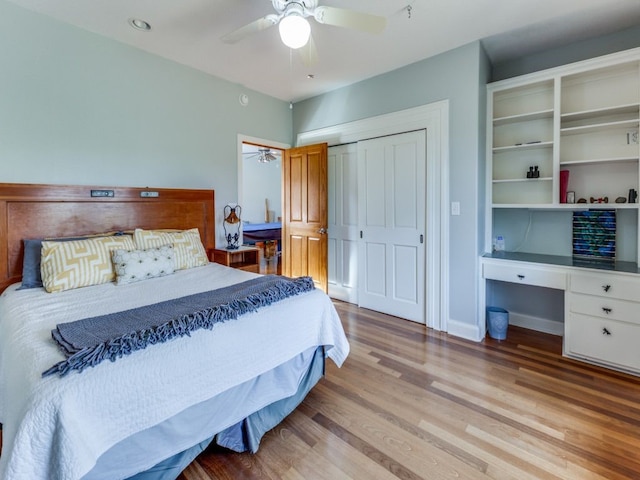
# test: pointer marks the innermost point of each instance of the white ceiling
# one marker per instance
(189, 31)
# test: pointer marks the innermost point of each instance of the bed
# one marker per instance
(259, 232)
(147, 414)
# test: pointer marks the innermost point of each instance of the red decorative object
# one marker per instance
(564, 184)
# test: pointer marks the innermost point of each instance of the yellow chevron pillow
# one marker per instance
(187, 245)
(80, 263)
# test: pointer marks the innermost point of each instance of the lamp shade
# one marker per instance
(294, 31)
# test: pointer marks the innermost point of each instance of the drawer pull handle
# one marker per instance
(606, 332)
(606, 310)
(606, 287)
(521, 277)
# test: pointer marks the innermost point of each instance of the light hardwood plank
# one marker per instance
(417, 404)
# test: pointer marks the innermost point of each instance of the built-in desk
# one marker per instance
(601, 302)
(562, 261)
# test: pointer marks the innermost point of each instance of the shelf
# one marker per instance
(597, 161)
(524, 117)
(598, 127)
(585, 120)
(526, 206)
(242, 258)
(530, 101)
(630, 109)
(568, 206)
(597, 206)
(510, 180)
(243, 265)
(525, 146)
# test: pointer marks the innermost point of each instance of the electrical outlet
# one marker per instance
(632, 137)
(455, 208)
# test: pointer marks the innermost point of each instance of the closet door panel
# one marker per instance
(391, 191)
(343, 222)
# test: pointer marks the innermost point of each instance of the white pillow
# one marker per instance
(135, 265)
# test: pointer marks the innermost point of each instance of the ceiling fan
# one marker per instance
(291, 17)
(264, 155)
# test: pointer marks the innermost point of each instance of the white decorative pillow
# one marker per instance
(135, 265)
(80, 263)
(187, 246)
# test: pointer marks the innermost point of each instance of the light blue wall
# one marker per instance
(573, 52)
(550, 232)
(261, 181)
(77, 108)
(457, 76)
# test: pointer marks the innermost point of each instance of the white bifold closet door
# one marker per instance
(391, 175)
(343, 222)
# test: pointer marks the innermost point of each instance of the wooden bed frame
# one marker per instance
(45, 211)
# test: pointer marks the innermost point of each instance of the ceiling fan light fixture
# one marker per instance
(265, 155)
(294, 31)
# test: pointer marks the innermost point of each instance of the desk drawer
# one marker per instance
(605, 341)
(607, 285)
(610, 308)
(526, 275)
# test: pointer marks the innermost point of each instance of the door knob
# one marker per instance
(322, 231)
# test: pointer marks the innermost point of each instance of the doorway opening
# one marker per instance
(260, 195)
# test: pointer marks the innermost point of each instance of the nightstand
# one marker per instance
(243, 258)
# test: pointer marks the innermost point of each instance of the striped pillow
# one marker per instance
(187, 245)
(80, 263)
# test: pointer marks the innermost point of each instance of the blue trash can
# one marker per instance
(497, 322)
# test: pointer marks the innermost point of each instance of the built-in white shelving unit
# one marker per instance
(578, 123)
(522, 136)
(582, 118)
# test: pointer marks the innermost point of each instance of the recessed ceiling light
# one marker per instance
(139, 24)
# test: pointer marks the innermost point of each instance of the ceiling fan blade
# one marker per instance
(253, 27)
(309, 53)
(341, 17)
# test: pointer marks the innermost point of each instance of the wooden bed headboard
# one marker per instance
(41, 211)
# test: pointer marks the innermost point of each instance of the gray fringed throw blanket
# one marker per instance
(89, 341)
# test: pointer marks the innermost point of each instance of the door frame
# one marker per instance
(256, 141)
(240, 164)
(434, 118)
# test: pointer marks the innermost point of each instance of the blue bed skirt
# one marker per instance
(246, 434)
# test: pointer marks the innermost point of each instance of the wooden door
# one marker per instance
(391, 211)
(304, 222)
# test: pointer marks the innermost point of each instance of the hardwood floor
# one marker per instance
(411, 403)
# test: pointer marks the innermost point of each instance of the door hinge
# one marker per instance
(360, 233)
(421, 238)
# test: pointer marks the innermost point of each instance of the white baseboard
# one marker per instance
(464, 330)
(536, 323)
(472, 332)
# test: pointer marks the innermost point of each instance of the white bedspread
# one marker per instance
(58, 427)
